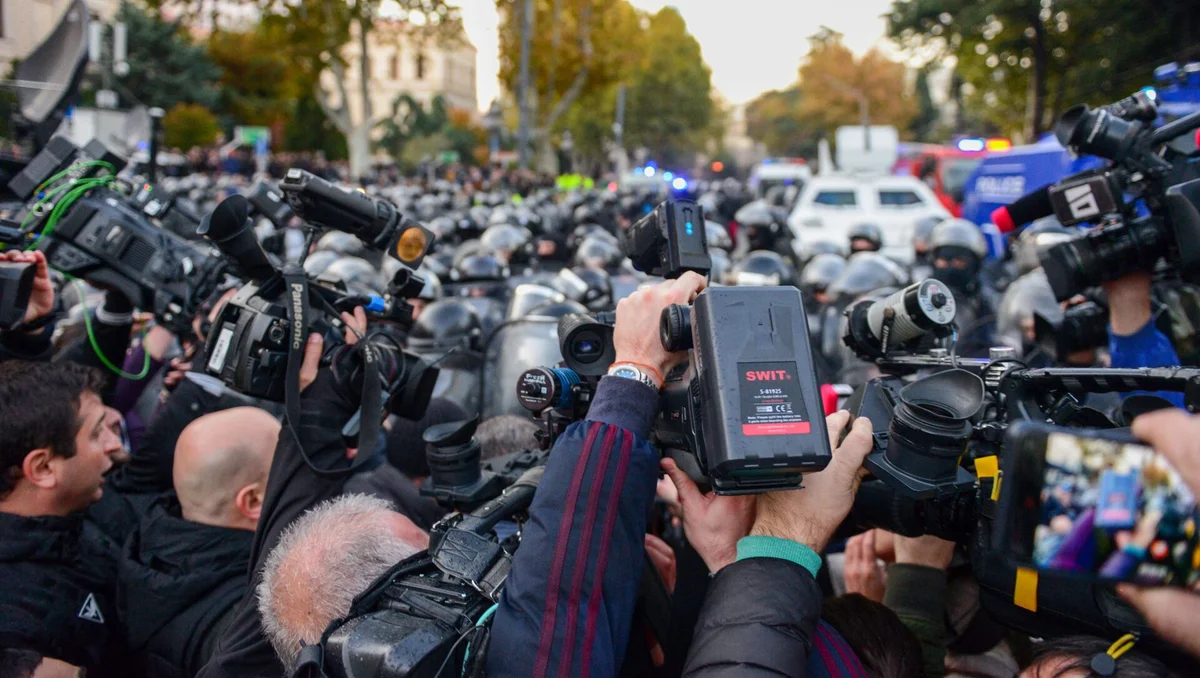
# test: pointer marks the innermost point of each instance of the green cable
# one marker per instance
(87, 322)
(77, 191)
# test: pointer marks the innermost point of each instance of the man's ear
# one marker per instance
(249, 501)
(38, 469)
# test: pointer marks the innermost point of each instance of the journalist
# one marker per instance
(309, 548)
(59, 569)
(567, 607)
(184, 569)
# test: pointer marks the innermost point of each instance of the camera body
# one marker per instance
(1154, 168)
(260, 333)
(96, 233)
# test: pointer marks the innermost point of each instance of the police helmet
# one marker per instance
(598, 252)
(869, 233)
(1026, 295)
(922, 230)
(865, 272)
(820, 272)
(443, 325)
(718, 236)
(958, 233)
(599, 294)
(356, 273)
(316, 263)
(762, 268)
(342, 243)
(480, 266)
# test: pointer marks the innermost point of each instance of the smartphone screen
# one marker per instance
(1112, 510)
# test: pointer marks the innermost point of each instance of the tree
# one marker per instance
(926, 119)
(165, 67)
(466, 138)
(187, 126)
(410, 120)
(566, 66)
(1023, 62)
(670, 102)
(774, 119)
(314, 35)
(838, 87)
(258, 85)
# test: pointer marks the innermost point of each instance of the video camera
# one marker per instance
(744, 414)
(1156, 167)
(92, 227)
(937, 457)
(257, 341)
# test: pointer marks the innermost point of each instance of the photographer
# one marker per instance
(567, 607)
(313, 554)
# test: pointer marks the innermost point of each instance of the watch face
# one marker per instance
(627, 372)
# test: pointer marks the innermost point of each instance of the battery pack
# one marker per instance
(758, 409)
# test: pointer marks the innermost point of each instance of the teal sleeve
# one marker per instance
(783, 549)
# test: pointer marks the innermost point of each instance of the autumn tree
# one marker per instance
(409, 120)
(1023, 62)
(670, 102)
(774, 120)
(258, 85)
(187, 126)
(838, 87)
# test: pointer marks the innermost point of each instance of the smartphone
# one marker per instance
(1095, 504)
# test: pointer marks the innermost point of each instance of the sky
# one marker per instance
(752, 46)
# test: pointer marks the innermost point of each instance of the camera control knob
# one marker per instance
(938, 300)
(675, 328)
(275, 334)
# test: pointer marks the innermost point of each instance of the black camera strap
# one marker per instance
(297, 285)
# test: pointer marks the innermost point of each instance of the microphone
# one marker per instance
(1029, 207)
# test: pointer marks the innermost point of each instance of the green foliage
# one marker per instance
(409, 120)
(774, 119)
(926, 119)
(1024, 62)
(187, 126)
(669, 105)
(258, 86)
(165, 67)
(309, 130)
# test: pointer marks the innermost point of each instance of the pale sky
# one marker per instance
(751, 45)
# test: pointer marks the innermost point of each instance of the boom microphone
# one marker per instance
(1029, 207)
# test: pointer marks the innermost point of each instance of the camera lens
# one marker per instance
(542, 388)
(1096, 132)
(1102, 254)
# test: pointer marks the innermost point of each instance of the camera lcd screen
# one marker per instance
(1114, 510)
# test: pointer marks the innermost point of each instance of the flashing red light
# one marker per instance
(718, 166)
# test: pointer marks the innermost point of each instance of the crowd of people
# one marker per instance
(155, 522)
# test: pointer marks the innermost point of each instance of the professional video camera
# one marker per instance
(91, 226)
(1151, 168)
(257, 342)
(935, 461)
(751, 364)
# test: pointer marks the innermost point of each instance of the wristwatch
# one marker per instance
(630, 371)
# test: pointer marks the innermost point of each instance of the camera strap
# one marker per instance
(298, 308)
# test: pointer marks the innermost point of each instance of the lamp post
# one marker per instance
(493, 122)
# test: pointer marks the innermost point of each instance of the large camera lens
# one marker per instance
(1096, 132)
(929, 431)
(586, 344)
(1106, 253)
(586, 349)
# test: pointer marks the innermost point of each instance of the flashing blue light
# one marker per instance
(688, 227)
(1151, 93)
(667, 176)
(679, 184)
(649, 171)
(971, 145)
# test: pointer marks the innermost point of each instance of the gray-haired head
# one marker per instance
(324, 559)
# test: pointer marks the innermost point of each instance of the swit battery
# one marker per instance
(758, 407)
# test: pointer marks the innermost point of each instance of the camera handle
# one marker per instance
(371, 403)
(1021, 386)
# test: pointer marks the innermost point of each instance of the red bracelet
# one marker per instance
(645, 367)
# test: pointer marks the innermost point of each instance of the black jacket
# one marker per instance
(57, 592)
(243, 650)
(758, 620)
(17, 345)
(179, 582)
(388, 482)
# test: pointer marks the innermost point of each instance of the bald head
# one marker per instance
(221, 465)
